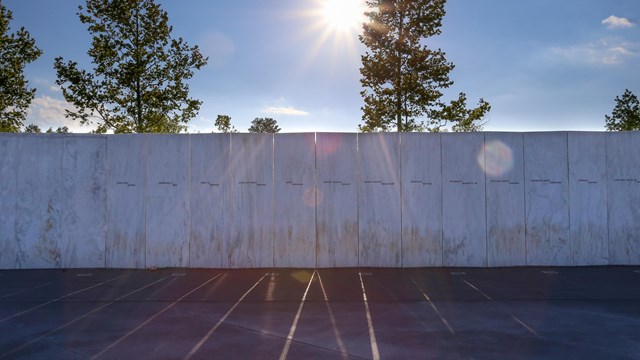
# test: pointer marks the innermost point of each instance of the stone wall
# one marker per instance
(319, 200)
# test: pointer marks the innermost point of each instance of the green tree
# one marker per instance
(402, 77)
(32, 129)
(626, 113)
(16, 50)
(59, 130)
(137, 83)
(462, 118)
(223, 123)
(264, 125)
(35, 129)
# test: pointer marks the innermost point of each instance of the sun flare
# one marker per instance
(343, 15)
(333, 26)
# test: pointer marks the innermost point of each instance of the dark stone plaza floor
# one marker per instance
(510, 313)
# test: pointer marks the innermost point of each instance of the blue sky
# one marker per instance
(544, 65)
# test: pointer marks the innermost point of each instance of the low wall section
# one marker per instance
(319, 200)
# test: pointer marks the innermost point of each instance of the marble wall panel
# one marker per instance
(337, 199)
(504, 172)
(294, 220)
(588, 198)
(85, 215)
(623, 190)
(167, 203)
(379, 200)
(209, 199)
(421, 167)
(40, 202)
(126, 232)
(547, 199)
(250, 242)
(463, 200)
(9, 248)
(214, 200)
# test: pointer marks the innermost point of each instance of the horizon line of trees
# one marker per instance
(258, 125)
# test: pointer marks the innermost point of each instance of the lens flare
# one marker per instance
(495, 158)
(329, 145)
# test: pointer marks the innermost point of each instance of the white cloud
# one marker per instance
(284, 110)
(614, 22)
(603, 52)
(48, 112)
(46, 86)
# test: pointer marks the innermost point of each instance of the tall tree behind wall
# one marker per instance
(16, 50)
(402, 78)
(138, 82)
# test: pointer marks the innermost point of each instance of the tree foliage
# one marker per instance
(16, 50)
(402, 78)
(626, 113)
(462, 118)
(223, 123)
(32, 129)
(264, 125)
(137, 83)
(35, 129)
(59, 130)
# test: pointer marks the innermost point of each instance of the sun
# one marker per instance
(335, 26)
(344, 16)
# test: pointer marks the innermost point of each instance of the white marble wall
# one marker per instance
(167, 201)
(221, 200)
(40, 201)
(421, 165)
(84, 230)
(502, 157)
(337, 199)
(9, 248)
(588, 199)
(463, 200)
(209, 199)
(547, 199)
(251, 239)
(294, 215)
(126, 231)
(379, 200)
(623, 188)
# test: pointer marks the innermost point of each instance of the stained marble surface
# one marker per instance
(167, 202)
(294, 220)
(337, 199)
(250, 242)
(379, 200)
(547, 199)
(421, 166)
(588, 198)
(623, 188)
(463, 201)
(9, 248)
(126, 231)
(85, 197)
(132, 201)
(40, 201)
(504, 173)
(209, 199)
